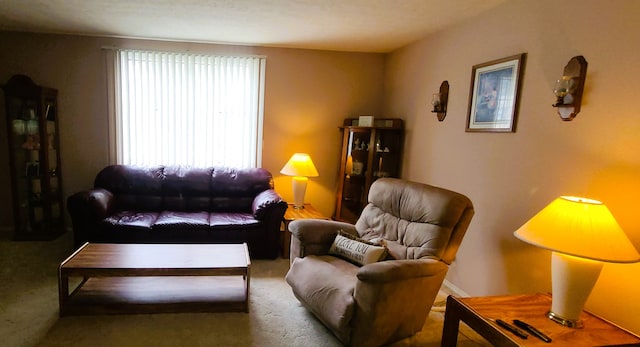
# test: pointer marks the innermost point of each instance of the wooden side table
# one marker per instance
(308, 212)
(479, 313)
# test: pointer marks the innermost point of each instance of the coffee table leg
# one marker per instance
(63, 291)
(247, 279)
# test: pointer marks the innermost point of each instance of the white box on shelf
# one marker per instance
(365, 121)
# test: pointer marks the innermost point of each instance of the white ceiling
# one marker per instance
(342, 25)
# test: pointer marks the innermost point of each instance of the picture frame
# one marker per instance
(494, 95)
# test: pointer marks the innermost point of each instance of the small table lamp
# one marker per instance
(581, 234)
(300, 167)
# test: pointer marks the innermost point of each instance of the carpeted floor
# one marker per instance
(29, 312)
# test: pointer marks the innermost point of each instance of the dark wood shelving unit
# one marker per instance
(34, 155)
(368, 153)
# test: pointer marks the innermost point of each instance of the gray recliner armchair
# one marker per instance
(388, 300)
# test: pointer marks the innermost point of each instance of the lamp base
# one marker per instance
(299, 188)
(566, 322)
(572, 279)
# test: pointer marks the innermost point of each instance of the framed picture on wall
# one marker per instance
(493, 98)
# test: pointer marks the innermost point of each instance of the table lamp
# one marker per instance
(581, 234)
(300, 167)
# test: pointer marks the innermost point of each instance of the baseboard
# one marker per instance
(446, 289)
(452, 289)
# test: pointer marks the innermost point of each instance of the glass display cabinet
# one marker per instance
(368, 153)
(34, 158)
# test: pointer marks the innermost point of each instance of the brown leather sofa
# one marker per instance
(161, 204)
(381, 302)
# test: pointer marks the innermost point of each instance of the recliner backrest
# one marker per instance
(417, 220)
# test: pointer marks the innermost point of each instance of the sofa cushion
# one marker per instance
(185, 220)
(182, 227)
(133, 188)
(325, 284)
(186, 188)
(125, 226)
(219, 220)
(132, 219)
(233, 190)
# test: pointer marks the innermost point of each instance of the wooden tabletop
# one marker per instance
(292, 213)
(480, 314)
(106, 259)
(308, 212)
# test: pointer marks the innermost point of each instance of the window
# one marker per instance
(186, 109)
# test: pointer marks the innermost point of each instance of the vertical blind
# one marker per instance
(188, 109)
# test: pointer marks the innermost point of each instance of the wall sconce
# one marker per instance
(568, 89)
(440, 100)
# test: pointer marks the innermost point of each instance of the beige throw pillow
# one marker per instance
(356, 250)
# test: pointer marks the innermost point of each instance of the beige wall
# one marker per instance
(508, 176)
(308, 94)
(511, 176)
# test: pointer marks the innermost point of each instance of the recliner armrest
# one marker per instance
(315, 236)
(318, 230)
(394, 296)
(399, 270)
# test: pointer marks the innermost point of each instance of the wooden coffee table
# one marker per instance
(154, 278)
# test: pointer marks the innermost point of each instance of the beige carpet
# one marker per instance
(29, 312)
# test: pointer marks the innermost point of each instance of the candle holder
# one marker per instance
(440, 100)
(569, 88)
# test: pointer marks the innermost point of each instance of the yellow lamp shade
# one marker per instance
(301, 165)
(579, 227)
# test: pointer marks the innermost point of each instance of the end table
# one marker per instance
(308, 212)
(480, 313)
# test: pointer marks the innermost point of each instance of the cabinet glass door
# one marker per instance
(24, 128)
(387, 154)
(31, 113)
(368, 153)
(356, 166)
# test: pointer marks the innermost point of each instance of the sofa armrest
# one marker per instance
(268, 207)
(315, 236)
(94, 203)
(264, 202)
(86, 209)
